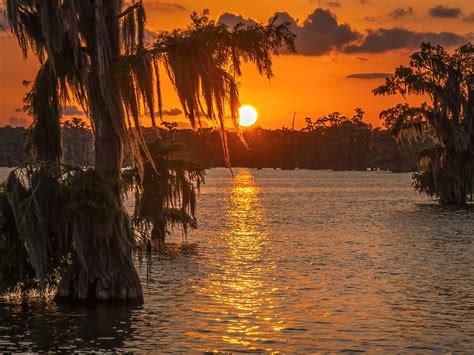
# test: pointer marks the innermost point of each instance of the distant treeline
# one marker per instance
(12, 146)
(335, 149)
(334, 142)
(78, 144)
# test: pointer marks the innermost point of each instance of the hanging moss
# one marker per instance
(33, 229)
(55, 228)
(102, 268)
(442, 129)
(36, 200)
(166, 197)
(42, 103)
(90, 191)
(424, 182)
(15, 269)
(93, 53)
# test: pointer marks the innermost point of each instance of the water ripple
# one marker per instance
(290, 261)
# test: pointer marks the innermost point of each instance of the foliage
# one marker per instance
(12, 146)
(202, 61)
(442, 129)
(335, 119)
(77, 143)
(324, 148)
(350, 146)
(424, 182)
(93, 53)
(36, 230)
(166, 197)
(42, 103)
(89, 191)
(15, 270)
(43, 211)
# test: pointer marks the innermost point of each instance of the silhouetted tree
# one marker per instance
(12, 145)
(342, 142)
(167, 195)
(94, 53)
(77, 143)
(443, 128)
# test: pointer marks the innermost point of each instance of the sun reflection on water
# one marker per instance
(244, 293)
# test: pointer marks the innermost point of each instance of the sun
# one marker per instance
(248, 116)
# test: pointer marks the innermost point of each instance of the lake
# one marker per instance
(290, 261)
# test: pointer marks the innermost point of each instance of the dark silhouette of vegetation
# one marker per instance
(77, 143)
(341, 143)
(94, 53)
(12, 146)
(443, 128)
(344, 144)
(167, 195)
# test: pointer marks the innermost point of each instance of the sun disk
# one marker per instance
(248, 116)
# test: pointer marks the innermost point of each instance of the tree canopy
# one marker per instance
(443, 127)
(71, 38)
(95, 53)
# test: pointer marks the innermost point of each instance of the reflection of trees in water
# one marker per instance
(47, 327)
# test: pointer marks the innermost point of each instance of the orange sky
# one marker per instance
(310, 85)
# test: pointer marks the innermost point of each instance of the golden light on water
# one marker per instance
(248, 281)
(248, 115)
(246, 300)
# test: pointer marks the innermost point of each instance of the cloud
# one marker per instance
(3, 20)
(470, 18)
(18, 122)
(384, 40)
(230, 20)
(19, 110)
(441, 11)
(401, 13)
(329, 3)
(369, 76)
(163, 6)
(371, 19)
(4, 25)
(172, 112)
(397, 14)
(72, 111)
(334, 4)
(320, 33)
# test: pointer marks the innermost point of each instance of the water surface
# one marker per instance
(290, 261)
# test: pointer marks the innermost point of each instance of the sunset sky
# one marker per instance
(336, 39)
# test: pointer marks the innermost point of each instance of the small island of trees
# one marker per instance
(443, 128)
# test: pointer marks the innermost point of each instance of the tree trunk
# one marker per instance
(454, 179)
(158, 234)
(102, 269)
(46, 132)
(106, 271)
(108, 147)
(454, 194)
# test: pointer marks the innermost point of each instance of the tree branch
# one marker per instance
(130, 9)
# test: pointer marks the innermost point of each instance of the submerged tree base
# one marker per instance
(75, 232)
(119, 286)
